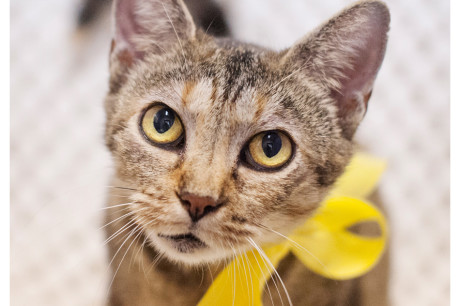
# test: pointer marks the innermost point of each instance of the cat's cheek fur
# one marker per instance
(278, 199)
(137, 159)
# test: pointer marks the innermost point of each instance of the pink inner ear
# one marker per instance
(368, 43)
(126, 29)
(151, 26)
(359, 78)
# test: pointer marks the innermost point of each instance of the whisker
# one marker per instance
(237, 263)
(118, 211)
(115, 220)
(119, 231)
(271, 275)
(261, 270)
(142, 261)
(123, 216)
(292, 73)
(121, 187)
(137, 228)
(137, 252)
(262, 253)
(115, 255)
(202, 276)
(210, 24)
(249, 269)
(295, 244)
(245, 274)
(175, 32)
(154, 263)
(114, 206)
(119, 195)
(159, 47)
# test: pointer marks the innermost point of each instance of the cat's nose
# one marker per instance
(198, 206)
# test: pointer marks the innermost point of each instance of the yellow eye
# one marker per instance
(161, 125)
(270, 149)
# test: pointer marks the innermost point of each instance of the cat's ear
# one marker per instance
(345, 54)
(148, 25)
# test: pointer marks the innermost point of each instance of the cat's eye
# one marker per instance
(161, 125)
(269, 150)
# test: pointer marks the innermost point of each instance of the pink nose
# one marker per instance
(198, 206)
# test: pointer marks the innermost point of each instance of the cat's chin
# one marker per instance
(187, 249)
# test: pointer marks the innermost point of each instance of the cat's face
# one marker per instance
(224, 144)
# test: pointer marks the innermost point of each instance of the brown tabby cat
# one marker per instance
(217, 142)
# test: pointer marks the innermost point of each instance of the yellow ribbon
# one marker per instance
(323, 243)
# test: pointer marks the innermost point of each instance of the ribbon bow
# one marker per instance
(323, 243)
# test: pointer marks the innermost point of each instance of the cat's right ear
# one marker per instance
(147, 25)
(344, 55)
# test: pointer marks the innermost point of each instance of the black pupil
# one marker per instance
(271, 144)
(163, 120)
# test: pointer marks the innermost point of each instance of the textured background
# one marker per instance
(59, 166)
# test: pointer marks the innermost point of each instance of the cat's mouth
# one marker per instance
(184, 243)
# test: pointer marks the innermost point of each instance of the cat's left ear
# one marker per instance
(148, 25)
(345, 54)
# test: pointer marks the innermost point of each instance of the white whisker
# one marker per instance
(115, 255)
(292, 73)
(137, 228)
(295, 244)
(119, 231)
(115, 220)
(175, 32)
(114, 206)
(244, 268)
(249, 269)
(262, 271)
(262, 253)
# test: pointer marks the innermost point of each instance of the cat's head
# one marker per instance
(228, 143)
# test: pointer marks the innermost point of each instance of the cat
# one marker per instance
(216, 141)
